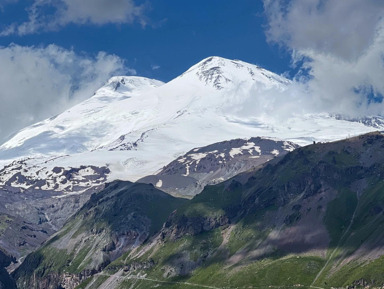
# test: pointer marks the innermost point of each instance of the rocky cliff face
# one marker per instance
(112, 222)
(6, 282)
(37, 200)
(190, 173)
(29, 218)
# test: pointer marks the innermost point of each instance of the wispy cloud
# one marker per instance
(155, 67)
(38, 82)
(340, 46)
(45, 15)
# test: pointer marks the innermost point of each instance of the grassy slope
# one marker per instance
(301, 174)
(268, 201)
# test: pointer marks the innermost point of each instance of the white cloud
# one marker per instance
(100, 11)
(340, 45)
(38, 82)
(155, 67)
(64, 12)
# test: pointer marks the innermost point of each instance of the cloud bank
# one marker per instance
(339, 46)
(46, 15)
(38, 82)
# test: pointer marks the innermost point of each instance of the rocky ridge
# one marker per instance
(190, 173)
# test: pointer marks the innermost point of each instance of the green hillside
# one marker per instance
(312, 219)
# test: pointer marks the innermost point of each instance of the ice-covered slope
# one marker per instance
(85, 126)
(133, 126)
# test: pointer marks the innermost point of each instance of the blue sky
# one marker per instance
(56, 53)
(176, 35)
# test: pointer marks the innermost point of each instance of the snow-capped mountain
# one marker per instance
(133, 126)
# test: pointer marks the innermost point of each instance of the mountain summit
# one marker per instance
(222, 73)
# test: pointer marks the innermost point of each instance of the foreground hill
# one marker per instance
(313, 218)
